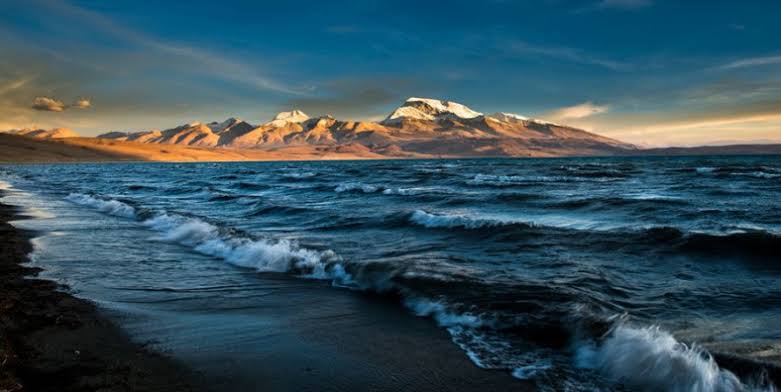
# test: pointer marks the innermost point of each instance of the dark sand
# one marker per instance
(51, 341)
(315, 338)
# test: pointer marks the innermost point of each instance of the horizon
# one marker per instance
(97, 68)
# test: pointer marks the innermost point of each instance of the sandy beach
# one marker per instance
(317, 338)
(52, 341)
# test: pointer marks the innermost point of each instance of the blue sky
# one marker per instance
(647, 71)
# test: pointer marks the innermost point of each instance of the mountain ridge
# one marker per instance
(419, 126)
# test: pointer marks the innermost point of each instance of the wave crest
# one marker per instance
(651, 359)
(259, 254)
(429, 220)
(111, 207)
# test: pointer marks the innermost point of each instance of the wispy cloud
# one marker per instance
(359, 99)
(217, 65)
(583, 110)
(563, 53)
(752, 62)
(619, 5)
(14, 85)
(623, 4)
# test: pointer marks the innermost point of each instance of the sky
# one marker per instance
(650, 72)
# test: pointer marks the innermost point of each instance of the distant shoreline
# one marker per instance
(20, 149)
(52, 341)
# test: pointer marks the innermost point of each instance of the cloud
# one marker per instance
(217, 65)
(623, 4)
(585, 109)
(353, 98)
(752, 62)
(620, 5)
(81, 104)
(48, 104)
(562, 53)
(13, 85)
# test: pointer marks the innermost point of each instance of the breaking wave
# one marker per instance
(262, 255)
(259, 254)
(651, 359)
(111, 207)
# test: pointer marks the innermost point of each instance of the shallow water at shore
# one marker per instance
(555, 271)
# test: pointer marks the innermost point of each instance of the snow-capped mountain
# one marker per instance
(430, 110)
(419, 127)
(293, 116)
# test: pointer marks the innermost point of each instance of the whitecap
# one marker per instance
(355, 186)
(259, 254)
(111, 207)
(651, 359)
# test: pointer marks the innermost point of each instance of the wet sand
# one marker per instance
(51, 341)
(306, 336)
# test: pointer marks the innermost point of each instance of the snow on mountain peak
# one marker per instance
(431, 109)
(293, 116)
(509, 117)
(218, 127)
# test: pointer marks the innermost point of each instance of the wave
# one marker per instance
(299, 175)
(251, 186)
(514, 180)
(651, 359)
(356, 186)
(505, 180)
(754, 243)
(111, 207)
(764, 172)
(275, 209)
(263, 255)
(429, 220)
(259, 254)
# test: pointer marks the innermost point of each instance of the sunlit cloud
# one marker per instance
(585, 109)
(48, 104)
(81, 104)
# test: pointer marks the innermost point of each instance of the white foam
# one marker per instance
(259, 254)
(111, 207)
(531, 371)
(651, 359)
(444, 317)
(404, 191)
(355, 186)
(429, 220)
(300, 175)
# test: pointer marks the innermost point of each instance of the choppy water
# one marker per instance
(577, 273)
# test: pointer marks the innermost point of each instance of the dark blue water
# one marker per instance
(575, 273)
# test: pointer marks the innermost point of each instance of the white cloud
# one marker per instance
(582, 110)
(48, 104)
(752, 62)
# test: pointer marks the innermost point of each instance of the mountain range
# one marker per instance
(419, 127)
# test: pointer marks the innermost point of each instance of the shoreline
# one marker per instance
(52, 341)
